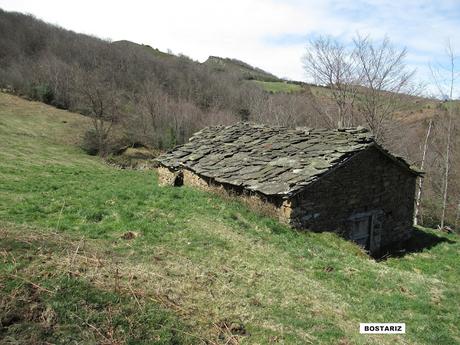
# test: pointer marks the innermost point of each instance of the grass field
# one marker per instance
(277, 86)
(94, 255)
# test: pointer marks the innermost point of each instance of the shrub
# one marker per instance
(91, 142)
(42, 93)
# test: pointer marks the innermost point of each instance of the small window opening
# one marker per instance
(179, 179)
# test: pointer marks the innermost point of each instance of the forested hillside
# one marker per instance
(136, 94)
(155, 98)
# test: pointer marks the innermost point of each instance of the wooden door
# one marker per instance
(376, 232)
(361, 231)
(366, 230)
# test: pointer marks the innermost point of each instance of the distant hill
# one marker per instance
(260, 78)
(247, 71)
(131, 45)
(216, 64)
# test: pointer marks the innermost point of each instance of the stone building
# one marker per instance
(316, 179)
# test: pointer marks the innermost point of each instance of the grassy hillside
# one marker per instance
(256, 76)
(277, 86)
(93, 254)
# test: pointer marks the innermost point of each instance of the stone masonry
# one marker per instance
(369, 183)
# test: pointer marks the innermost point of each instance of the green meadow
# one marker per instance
(93, 254)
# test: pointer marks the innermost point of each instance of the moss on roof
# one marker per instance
(266, 159)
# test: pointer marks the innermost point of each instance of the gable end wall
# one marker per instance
(369, 181)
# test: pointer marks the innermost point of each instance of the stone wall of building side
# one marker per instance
(166, 176)
(195, 180)
(258, 203)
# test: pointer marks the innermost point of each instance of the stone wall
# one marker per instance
(257, 202)
(166, 177)
(369, 183)
(192, 179)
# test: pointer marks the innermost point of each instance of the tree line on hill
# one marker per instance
(135, 94)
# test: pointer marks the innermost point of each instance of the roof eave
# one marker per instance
(399, 160)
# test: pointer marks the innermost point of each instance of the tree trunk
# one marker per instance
(446, 171)
(420, 179)
(457, 217)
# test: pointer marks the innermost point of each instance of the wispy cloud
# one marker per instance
(271, 34)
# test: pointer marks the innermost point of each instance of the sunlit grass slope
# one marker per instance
(277, 86)
(92, 254)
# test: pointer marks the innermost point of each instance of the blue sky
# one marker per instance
(271, 34)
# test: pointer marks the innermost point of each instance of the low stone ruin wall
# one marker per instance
(192, 179)
(274, 207)
(166, 177)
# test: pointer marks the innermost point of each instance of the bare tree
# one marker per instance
(102, 104)
(446, 170)
(446, 90)
(150, 102)
(418, 198)
(385, 79)
(332, 64)
(368, 78)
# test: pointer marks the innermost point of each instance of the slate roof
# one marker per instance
(269, 160)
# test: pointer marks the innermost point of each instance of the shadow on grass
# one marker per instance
(419, 241)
